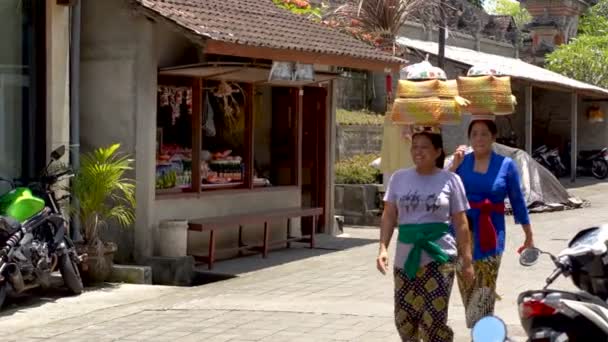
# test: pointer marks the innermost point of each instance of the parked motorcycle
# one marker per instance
(550, 159)
(592, 162)
(560, 316)
(33, 237)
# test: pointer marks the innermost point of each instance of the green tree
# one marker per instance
(595, 21)
(476, 3)
(585, 58)
(520, 15)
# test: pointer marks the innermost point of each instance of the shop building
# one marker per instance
(243, 90)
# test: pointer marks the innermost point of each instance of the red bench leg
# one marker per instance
(265, 247)
(313, 231)
(288, 232)
(241, 243)
(211, 248)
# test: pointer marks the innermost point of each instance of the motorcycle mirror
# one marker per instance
(529, 256)
(489, 329)
(58, 152)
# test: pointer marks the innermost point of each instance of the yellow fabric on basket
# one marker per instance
(395, 151)
(430, 88)
(426, 111)
(488, 94)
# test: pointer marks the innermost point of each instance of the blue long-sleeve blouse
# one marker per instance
(501, 180)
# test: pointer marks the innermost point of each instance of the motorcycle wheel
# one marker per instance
(3, 291)
(70, 274)
(599, 168)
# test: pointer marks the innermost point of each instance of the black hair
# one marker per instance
(437, 141)
(489, 123)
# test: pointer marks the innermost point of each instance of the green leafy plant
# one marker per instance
(520, 15)
(377, 22)
(103, 191)
(362, 117)
(585, 58)
(301, 7)
(356, 170)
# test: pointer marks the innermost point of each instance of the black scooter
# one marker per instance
(592, 162)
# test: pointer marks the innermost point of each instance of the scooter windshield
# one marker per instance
(591, 241)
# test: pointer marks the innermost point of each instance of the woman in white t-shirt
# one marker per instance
(421, 201)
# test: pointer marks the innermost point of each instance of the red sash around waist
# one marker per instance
(487, 231)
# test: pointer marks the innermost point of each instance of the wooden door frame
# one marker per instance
(323, 156)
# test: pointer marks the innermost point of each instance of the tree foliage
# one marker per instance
(476, 3)
(585, 58)
(520, 15)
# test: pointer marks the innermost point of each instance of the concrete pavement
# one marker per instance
(332, 293)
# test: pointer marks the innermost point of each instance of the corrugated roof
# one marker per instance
(513, 67)
(259, 23)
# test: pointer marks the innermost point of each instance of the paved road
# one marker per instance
(328, 294)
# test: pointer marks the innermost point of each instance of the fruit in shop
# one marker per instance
(167, 180)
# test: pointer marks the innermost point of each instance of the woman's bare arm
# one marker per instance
(387, 224)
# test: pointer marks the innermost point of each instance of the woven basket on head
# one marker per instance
(429, 88)
(488, 94)
(426, 111)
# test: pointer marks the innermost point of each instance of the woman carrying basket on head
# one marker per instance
(422, 200)
(488, 179)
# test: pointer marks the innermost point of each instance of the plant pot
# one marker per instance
(97, 266)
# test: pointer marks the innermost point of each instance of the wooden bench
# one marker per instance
(213, 224)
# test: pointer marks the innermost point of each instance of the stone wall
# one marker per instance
(354, 140)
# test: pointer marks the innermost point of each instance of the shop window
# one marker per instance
(22, 88)
(174, 137)
(275, 137)
(248, 136)
(226, 129)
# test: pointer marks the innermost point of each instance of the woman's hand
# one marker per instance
(382, 260)
(458, 157)
(468, 273)
(529, 241)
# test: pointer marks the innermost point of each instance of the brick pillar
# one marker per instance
(554, 22)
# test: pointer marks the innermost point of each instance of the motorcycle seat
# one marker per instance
(587, 154)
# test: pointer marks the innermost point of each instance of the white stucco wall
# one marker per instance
(58, 81)
(118, 102)
(592, 136)
(226, 204)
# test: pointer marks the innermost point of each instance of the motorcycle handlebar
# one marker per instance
(50, 180)
(556, 273)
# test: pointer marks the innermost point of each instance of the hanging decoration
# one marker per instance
(208, 120)
(174, 96)
(595, 114)
(232, 110)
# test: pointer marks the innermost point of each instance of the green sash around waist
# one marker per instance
(422, 237)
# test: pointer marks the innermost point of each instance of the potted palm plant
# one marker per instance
(104, 195)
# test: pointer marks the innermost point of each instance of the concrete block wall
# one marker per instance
(354, 139)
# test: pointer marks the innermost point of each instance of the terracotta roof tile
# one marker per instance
(260, 23)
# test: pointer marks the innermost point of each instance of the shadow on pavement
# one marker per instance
(231, 268)
(581, 182)
(39, 297)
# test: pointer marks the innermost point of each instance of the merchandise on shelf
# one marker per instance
(222, 169)
(174, 168)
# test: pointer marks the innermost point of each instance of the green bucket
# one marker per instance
(20, 204)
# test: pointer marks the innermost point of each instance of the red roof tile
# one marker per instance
(260, 23)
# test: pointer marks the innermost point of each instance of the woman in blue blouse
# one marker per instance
(488, 179)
